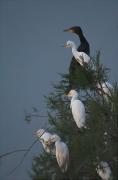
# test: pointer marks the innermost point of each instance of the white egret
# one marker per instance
(78, 109)
(62, 152)
(105, 88)
(81, 57)
(104, 171)
(44, 138)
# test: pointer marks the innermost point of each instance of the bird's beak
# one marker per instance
(65, 45)
(68, 30)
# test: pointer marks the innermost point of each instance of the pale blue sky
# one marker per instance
(31, 55)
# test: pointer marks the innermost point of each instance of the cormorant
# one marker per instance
(84, 45)
(75, 71)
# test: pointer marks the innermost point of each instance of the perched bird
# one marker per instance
(81, 57)
(62, 152)
(104, 171)
(44, 137)
(84, 45)
(78, 109)
(105, 88)
(74, 65)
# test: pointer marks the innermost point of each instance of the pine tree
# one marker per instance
(96, 143)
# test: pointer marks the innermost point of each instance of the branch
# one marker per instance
(25, 154)
(11, 152)
(35, 115)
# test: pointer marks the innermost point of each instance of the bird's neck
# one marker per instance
(74, 48)
(82, 38)
(75, 97)
(57, 142)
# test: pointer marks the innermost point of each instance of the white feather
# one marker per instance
(104, 170)
(62, 152)
(62, 155)
(81, 57)
(44, 138)
(106, 87)
(78, 112)
(78, 109)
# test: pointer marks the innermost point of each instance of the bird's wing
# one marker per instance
(79, 58)
(62, 155)
(83, 57)
(78, 111)
(78, 108)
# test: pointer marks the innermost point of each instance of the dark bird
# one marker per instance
(84, 45)
(75, 70)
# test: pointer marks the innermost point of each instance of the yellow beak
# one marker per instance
(68, 30)
(65, 45)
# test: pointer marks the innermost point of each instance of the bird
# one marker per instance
(84, 45)
(105, 89)
(77, 108)
(74, 65)
(62, 152)
(44, 137)
(104, 171)
(81, 57)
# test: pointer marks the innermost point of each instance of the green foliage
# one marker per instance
(98, 142)
(87, 76)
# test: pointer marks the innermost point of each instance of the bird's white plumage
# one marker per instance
(62, 152)
(78, 112)
(44, 138)
(81, 57)
(106, 88)
(78, 109)
(104, 171)
(62, 155)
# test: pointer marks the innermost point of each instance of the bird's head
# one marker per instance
(72, 93)
(74, 29)
(39, 133)
(69, 44)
